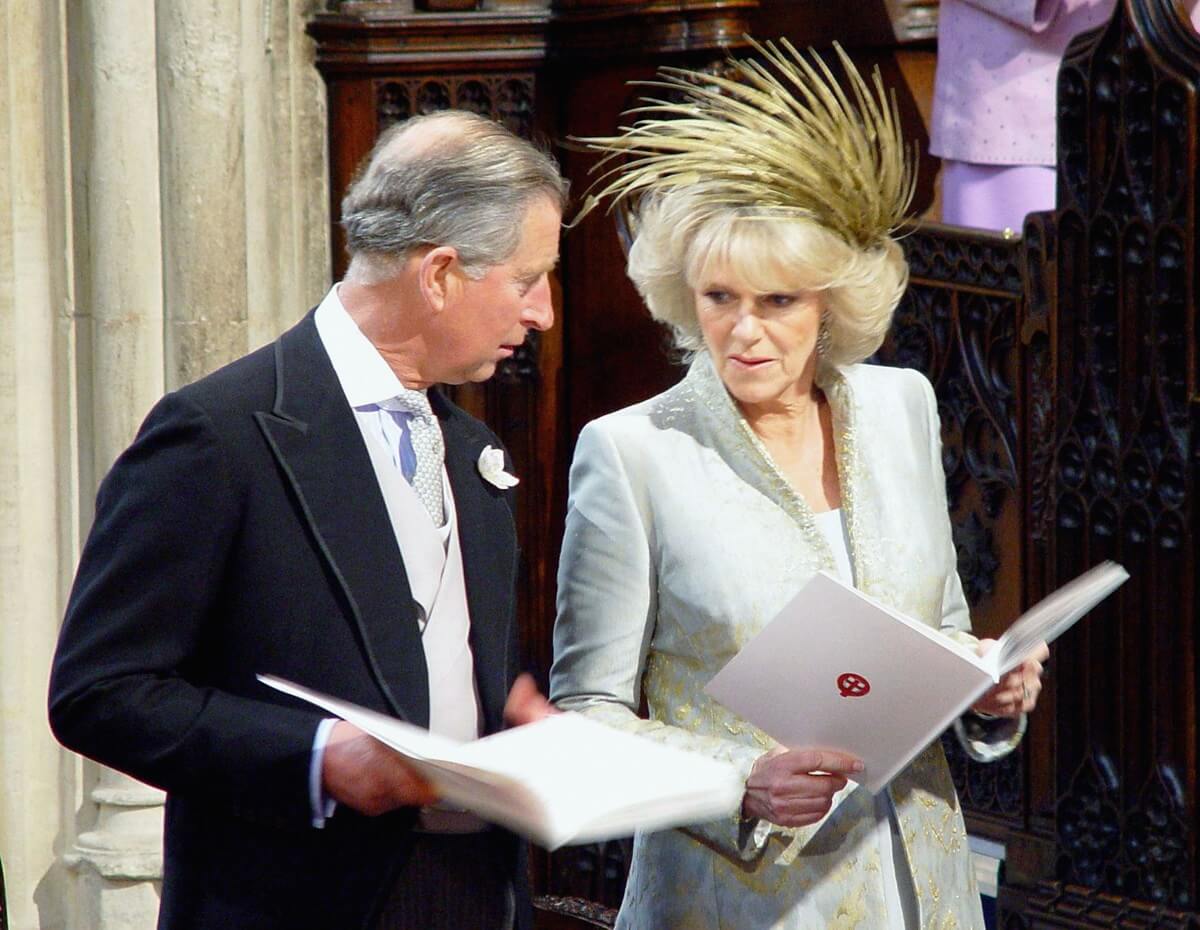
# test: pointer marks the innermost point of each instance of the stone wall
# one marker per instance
(163, 209)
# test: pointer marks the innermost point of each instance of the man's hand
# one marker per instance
(362, 773)
(1017, 692)
(795, 787)
(526, 703)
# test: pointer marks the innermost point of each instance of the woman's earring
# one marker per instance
(823, 338)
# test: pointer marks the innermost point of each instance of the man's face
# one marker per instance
(486, 320)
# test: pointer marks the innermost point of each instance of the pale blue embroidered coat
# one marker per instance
(682, 540)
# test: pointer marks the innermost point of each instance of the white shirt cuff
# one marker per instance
(322, 805)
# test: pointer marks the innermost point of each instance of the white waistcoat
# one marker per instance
(433, 563)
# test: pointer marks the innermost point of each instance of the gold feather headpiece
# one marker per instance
(790, 141)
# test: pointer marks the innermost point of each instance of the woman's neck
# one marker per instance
(798, 436)
(787, 421)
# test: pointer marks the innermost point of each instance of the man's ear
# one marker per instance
(437, 276)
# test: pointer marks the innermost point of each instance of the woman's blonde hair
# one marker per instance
(682, 232)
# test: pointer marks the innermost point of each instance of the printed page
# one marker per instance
(837, 670)
(563, 779)
(1054, 615)
(639, 784)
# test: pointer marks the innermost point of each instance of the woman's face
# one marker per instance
(763, 343)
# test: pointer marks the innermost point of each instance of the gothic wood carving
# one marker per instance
(1116, 460)
(1059, 906)
(604, 31)
(554, 912)
(959, 324)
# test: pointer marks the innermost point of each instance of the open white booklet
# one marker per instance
(563, 779)
(836, 669)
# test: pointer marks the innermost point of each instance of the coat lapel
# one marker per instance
(748, 457)
(313, 435)
(487, 537)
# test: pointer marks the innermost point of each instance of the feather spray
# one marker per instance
(785, 139)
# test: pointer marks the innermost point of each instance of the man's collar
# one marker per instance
(365, 377)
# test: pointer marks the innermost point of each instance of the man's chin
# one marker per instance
(483, 372)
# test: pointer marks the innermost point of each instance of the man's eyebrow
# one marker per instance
(537, 271)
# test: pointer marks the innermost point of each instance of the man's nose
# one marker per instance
(539, 312)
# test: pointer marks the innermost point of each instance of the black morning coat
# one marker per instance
(244, 532)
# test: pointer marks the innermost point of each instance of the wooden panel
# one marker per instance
(854, 23)
(1065, 364)
(1120, 463)
(1055, 906)
(608, 31)
(554, 912)
(615, 353)
(959, 324)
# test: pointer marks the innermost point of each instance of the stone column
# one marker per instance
(287, 173)
(36, 486)
(203, 182)
(119, 365)
(169, 216)
(243, 179)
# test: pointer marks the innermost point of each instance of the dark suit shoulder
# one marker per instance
(230, 397)
(221, 410)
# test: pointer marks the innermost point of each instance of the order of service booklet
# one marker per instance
(836, 669)
(564, 779)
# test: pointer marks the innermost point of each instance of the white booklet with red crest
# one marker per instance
(836, 669)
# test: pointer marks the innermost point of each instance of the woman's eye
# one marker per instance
(780, 301)
(717, 296)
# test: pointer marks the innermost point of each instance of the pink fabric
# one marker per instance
(994, 92)
(994, 99)
(997, 72)
(994, 196)
(1029, 15)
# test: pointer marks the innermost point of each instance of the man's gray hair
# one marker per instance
(467, 184)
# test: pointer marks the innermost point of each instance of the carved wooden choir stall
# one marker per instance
(1065, 362)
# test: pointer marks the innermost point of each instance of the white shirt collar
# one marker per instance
(365, 377)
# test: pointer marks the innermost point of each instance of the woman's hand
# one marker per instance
(525, 703)
(795, 787)
(1017, 692)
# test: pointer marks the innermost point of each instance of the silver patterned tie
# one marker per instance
(428, 449)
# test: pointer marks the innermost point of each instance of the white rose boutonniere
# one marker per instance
(491, 466)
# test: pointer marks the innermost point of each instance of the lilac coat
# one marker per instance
(994, 93)
(993, 98)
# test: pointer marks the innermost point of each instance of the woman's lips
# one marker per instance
(749, 362)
